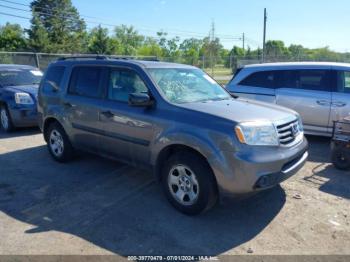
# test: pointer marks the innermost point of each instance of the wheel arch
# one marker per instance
(48, 121)
(169, 150)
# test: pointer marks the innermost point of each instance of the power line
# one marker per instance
(17, 16)
(172, 31)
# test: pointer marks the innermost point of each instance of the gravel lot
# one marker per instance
(97, 206)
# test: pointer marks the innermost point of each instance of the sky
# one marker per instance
(311, 23)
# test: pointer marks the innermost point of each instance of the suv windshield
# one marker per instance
(181, 85)
(20, 77)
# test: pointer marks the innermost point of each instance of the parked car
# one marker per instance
(173, 119)
(319, 92)
(18, 95)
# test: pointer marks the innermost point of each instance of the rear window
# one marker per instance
(259, 79)
(85, 81)
(53, 79)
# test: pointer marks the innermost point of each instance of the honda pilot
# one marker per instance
(199, 141)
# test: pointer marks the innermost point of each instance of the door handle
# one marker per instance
(338, 104)
(323, 102)
(107, 114)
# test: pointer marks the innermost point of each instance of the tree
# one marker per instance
(12, 38)
(150, 47)
(276, 49)
(38, 37)
(66, 30)
(190, 49)
(128, 39)
(296, 51)
(211, 49)
(100, 43)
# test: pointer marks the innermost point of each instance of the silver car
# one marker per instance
(319, 92)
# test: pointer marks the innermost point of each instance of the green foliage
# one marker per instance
(38, 37)
(128, 39)
(65, 29)
(99, 42)
(12, 38)
(56, 27)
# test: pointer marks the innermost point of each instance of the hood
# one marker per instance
(31, 89)
(243, 110)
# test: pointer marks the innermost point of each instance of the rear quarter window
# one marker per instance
(53, 79)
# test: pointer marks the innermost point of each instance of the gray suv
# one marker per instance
(173, 119)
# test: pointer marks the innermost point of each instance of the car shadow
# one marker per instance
(324, 174)
(330, 180)
(20, 132)
(319, 149)
(122, 209)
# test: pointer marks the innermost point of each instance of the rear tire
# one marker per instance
(341, 158)
(58, 143)
(189, 183)
(5, 120)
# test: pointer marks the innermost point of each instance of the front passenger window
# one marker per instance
(123, 82)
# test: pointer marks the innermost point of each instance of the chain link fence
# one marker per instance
(220, 68)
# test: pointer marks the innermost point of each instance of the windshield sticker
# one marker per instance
(36, 73)
(209, 79)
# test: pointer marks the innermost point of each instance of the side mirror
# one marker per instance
(140, 100)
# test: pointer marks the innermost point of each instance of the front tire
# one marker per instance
(58, 143)
(5, 120)
(189, 183)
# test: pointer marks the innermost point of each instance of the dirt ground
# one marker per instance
(97, 206)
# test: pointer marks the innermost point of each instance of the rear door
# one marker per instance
(256, 86)
(309, 93)
(341, 97)
(82, 104)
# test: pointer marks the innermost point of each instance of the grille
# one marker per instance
(288, 132)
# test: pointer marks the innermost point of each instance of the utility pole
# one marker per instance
(212, 43)
(243, 42)
(264, 40)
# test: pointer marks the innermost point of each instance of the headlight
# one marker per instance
(257, 134)
(301, 127)
(23, 99)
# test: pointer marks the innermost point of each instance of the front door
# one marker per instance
(308, 92)
(128, 130)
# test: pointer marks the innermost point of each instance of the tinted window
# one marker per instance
(346, 82)
(123, 82)
(260, 79)
(53, 78)
(285, 79)
(85, 81)
(313, 80)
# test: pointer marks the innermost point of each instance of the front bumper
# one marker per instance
(26, 116)
(258, 168)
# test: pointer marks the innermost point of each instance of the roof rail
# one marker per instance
(104, 57)
(97, 57)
